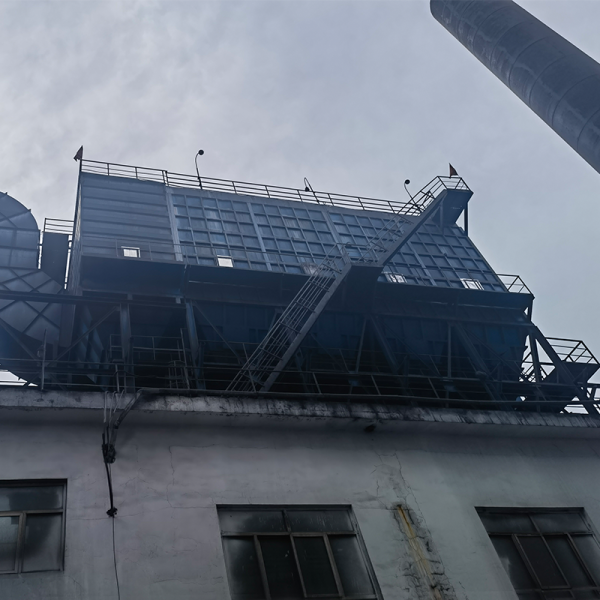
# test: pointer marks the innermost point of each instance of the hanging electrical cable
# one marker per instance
(115, 556)
(109, 454)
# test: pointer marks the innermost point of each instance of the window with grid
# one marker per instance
(548, 554)
(295, 552)
(442, 258)
(31, 526)
(209, 227)
(292, 236)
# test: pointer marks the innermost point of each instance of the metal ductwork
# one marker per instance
(559, 82)
(24, 325)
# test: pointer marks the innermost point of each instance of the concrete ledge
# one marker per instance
(20, 403)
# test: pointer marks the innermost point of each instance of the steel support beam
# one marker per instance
(477, 361)
(84, 335)
(195, 348)
(196, 306)
(564, 372)
(126, 342)
(537, 371)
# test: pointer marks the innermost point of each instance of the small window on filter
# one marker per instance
(472, 284)
(130, 252)
(225, 261)
(395, 278)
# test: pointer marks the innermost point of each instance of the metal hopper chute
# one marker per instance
(25, 326)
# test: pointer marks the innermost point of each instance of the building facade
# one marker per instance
(283, 394)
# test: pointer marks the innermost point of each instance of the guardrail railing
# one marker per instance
(514, 284)
(572, 350)
(177, 376)
(415, 206)
(58, 226)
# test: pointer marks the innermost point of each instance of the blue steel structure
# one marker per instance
(195, 285)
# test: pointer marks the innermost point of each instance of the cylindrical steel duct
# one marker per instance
(559, 82)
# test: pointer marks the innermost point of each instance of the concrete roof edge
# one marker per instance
(27, 400)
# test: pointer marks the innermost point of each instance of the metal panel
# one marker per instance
(55, 252)
(121, 213)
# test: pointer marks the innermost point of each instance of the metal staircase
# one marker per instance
(282, 341)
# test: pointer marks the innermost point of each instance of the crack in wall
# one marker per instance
(423, 566)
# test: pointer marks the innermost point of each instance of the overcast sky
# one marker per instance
(356, 96)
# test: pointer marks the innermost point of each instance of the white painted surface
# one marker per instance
(171, 474)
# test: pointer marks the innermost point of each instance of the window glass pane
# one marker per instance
(31, 497)
(43, 535)
(315, 566)
(559, 522)
(512, 562)
(198, 223)
(350, 565)
(9, 529)
(590, 552)
(259, 521)
(200, 236)
(280, 567)
(218, 238)
(319, 520)
(568, 561)
(542, 562)
(242, 566)
(229, 226)
(507, 523)
(215, 225)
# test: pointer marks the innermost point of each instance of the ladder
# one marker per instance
(282, 341)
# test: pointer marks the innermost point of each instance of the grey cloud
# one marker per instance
(357, 96)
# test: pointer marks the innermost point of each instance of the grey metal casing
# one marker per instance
(559, 82)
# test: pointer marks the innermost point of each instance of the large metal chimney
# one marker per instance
(559, 82)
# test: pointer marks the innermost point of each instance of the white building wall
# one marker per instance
(173, 470)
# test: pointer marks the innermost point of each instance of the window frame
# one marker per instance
(543, 535)
(22, 514)
(289, 534)
(137, 251)
(225, 261)
(471, 283)
(395, 277)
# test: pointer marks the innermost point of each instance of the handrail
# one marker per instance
(568, 350)
(514, 284)
(414, 207)
(58, 376)
(572, 350)
(58, 226)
